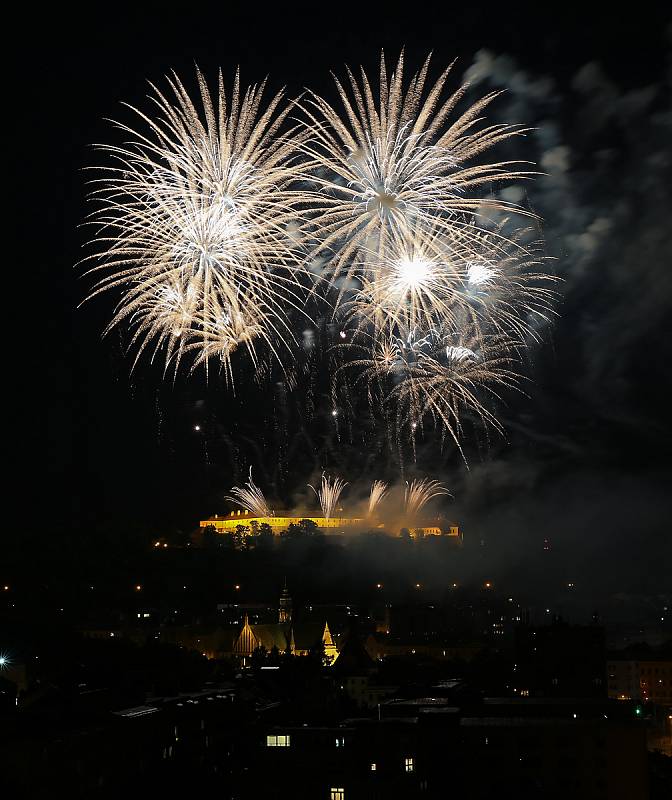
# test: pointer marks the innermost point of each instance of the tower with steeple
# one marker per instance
(285, 608)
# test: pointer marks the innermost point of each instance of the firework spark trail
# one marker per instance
(194, 226)
(329, 494)
(251, 498)
(418, 493)
(378, 491)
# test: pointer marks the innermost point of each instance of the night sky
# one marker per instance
(586, 460)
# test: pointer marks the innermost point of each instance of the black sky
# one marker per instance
(106, 446)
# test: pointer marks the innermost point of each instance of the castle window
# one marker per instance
(409, 765)
(279, 740)
(337, 793)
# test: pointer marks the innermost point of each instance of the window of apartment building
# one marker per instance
(373, 767)
(279, 740)
(409, 765)
(340, 741)
(337, 793)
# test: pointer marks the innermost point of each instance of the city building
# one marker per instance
(560, 660)
(431, 748)
(643, 679)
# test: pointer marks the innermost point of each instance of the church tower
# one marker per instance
(285, 610)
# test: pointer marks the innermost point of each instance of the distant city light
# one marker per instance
(334, 413)
(138, 587)
(5, 588)
(488, 585)
(236, 587)
(379, 586)
(197, 427)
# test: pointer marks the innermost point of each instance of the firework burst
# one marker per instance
(436, 378)
(444, 285)
(418, 493)
(250, 497)
(399, 164)
(378, 492)
(216, 226)
(425, 282)
(329, 494)
(196, 225)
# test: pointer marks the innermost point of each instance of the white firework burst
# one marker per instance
(196, 225)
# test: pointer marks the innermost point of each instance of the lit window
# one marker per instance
(337, 793)
(340, 741)
(373, 767)
(281, 740)
(409, 766)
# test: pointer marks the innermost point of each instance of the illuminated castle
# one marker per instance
(328, 525)
(228, 524)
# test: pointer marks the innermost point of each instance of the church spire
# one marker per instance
(285, 609)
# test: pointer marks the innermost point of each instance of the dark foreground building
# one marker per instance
(427, 748)
(225, 742)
